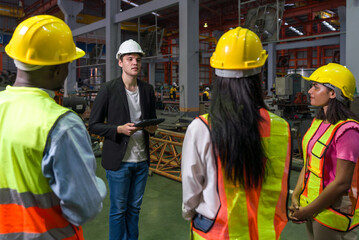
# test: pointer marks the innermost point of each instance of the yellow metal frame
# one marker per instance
(166, 154)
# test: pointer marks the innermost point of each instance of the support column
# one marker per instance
(272, 66)
(70, 9)
(151, 73)
(342, 20)
(113, 39)
(352, 38)
(189, 57)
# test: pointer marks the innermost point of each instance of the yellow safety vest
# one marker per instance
(28, 207)
(313, 183)
(259, 213)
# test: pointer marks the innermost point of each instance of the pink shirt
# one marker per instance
(345, 146)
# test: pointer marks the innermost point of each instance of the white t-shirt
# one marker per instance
(136, 149)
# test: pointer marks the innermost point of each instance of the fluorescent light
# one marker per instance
(329, 26)
(295, 30)
(292, 28)
(131, 3)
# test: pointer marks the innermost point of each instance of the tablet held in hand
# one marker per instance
(149, 122)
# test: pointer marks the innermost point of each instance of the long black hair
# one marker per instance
(234, 116)
(336, 111)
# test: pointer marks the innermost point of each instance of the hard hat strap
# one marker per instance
(338, 93)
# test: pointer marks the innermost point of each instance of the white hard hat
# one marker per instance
(207, 89)
(129, 46)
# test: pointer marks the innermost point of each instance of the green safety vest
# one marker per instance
(313, 183)
(259, 213)
(28, 207)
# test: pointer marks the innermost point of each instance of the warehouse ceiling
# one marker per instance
(299, 17)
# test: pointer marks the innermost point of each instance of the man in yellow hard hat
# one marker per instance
(48, 185)
(205, 95)
(173, 92)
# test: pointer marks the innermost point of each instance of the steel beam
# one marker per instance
(305, 44)
(144, 9)
(89, 28)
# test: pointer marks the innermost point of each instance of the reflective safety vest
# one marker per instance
(258, 213)
(28, 207)
(313, 183)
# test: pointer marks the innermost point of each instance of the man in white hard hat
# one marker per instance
(48, 186)
(119, 104)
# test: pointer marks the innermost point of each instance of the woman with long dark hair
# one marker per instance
(235, 160)
(326, 194)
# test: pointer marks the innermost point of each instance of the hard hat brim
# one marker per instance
(307, 78)
(318, 80)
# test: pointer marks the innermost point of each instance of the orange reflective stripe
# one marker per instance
(221, 220)
(16, 218)
(252, 197)
(220, 226)
(264, 126)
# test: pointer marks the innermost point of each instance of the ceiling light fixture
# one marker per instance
(329, 26)
(292, 28)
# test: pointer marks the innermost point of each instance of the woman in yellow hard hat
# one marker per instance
(326, 193)
(235, 160)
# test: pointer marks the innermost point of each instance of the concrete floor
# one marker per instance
(160, 217)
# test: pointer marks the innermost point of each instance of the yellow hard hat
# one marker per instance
(336, 75)
(43, 40)
(239, 49)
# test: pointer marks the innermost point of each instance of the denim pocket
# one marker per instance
(202, 223)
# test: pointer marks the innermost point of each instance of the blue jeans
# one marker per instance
(127, 186)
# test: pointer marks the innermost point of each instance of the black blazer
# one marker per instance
(110, 110)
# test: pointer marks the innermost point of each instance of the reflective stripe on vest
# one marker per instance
(313, 183)
(255, 213)
(28, 207)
